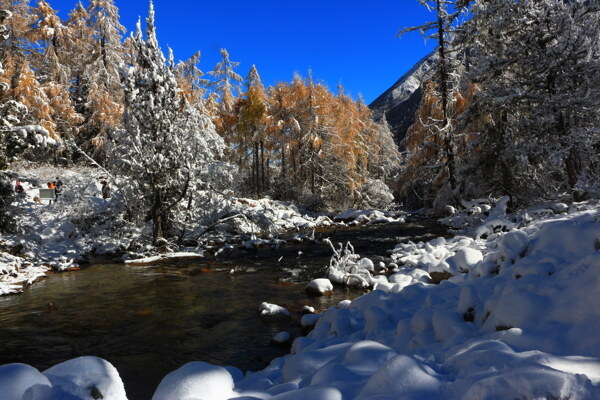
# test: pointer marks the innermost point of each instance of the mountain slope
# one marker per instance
(400, 102)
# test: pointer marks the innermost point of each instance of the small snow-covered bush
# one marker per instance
(348, 268)
(376, 194)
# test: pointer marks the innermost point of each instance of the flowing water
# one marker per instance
(149, 320)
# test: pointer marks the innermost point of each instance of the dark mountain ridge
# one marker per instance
(400, 102)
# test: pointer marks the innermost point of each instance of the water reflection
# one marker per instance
(147, 321)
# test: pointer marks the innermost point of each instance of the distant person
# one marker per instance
(58, 184)
(19, 189)
(105, 190)
(52, 186)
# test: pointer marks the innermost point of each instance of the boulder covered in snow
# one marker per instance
(281, 339)
(87, 377)
(464, 260)
(267, 310)
(321, 286)
(196, 380)
(20, 381)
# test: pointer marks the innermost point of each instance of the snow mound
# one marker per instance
(86, 377)
(319, 286)
(353, 217)
(82, 378)
(269, 310)
(196, 380)
(20, 381)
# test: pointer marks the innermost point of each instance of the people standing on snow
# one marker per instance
(52, 186)
(105, 190)
(19, 189)
(57, 187)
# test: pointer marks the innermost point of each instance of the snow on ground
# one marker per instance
(57, 235)
(77, 379)
(517, 317)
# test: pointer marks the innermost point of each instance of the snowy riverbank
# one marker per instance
(57, 236)
(517, 318)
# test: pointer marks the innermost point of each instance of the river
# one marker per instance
(149, 320)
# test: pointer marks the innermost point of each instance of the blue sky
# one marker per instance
(352, 41)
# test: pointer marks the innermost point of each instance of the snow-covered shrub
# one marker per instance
(348, 268)
(375, 194)
(167, 145)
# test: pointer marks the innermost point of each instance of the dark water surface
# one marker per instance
(149, 320)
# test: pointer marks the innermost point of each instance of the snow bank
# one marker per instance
(513, 313)
(354, 217)
(54, 236)
(15, 273)
(271, 310)
(319, 286)
(82, 378)
(526, 329)
(196, 380)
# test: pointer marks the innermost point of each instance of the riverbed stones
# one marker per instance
(269, 311)
(282, 339)
(320, 287)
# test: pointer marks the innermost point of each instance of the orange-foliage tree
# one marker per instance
(251, 131)
(307, 144)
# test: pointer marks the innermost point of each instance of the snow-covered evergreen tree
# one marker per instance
(226, 82)
(49, 30)
(103, 105)
(167, 143)
(79, 49)
(539, 104)
(442, 29)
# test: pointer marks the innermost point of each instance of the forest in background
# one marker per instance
(293, 141)
(512, 108)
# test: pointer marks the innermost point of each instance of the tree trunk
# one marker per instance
(256, 170)
(444, 79)
(282, 161)
(262, 165)
(156, 219)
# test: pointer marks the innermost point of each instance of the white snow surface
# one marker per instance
(518, 317)
(82, 378)
(268, 309)
(320, 286)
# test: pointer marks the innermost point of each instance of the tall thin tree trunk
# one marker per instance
(262, 165)
(444, 78)
(156, 219)
(256, 169)
(282, 161)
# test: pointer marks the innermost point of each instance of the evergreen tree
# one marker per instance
(103, 105)
(251, 130)
(52, 34)
(226, 82)
(166, 147)
(78, 54)
(225, 86)
(538, 104)
(447, 12)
